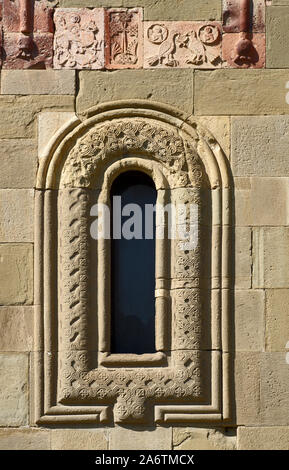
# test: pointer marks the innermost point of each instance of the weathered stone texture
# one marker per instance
(220, 126)
(262, 201)
(231, 16)
(260, 143)
(203, 439)
(256, 56)
(277, 37)
(263, 438)
(18, 113)
(247, 388)
(79, 439)
(37, 82)
(24, 439)
(16, 325)
(240, 92)
(161, 9)
(243, 258)
(141, 439)
(274, 389)
(16, 215)
(270, 255)
(157, 85)
(18, 160)
(48, 124)
(249, 320)
(16, 273)
(13, 389)
(277, 319)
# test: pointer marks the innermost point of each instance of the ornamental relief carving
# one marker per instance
(183, 370)
(132, 136)
(182, 44)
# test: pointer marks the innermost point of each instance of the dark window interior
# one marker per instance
(133, 272)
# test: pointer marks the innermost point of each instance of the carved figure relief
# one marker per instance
(182, 44)
(83, 379)
(123, 29)
(79, 38)
(28, 34)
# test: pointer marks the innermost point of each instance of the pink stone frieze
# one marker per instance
(244, 50)
(28, 52)
(123, 38)
(231, 16)
(27, 34)
(182, 44)
(79, 38)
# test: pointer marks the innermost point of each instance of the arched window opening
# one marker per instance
(132, 264)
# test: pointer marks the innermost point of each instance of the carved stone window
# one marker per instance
(77, 376)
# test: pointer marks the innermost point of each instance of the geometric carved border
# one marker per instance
(187, 378)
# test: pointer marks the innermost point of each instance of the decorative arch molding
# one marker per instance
(76, 376)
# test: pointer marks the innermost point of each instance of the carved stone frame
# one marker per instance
(174, 380)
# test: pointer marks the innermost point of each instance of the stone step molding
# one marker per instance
(39, 35)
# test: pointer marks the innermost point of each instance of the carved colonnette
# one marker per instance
(185, 370)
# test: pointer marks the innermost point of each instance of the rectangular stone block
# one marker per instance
(37, 82)
(18, 113)
(277, 36)
(182, 44)
(263, 438)
(240, 92)
(13, 389)
(48, 124)
(270, 257)
(16, 324)
(255, 139)
(161, 10)
(27, 51)
(16, 274)
(274, 389)
(243, 258)
(249, 320)
(247, 388)
(147, 439)
(264, 201)
(231, 16)
(220, 126)
(16, 215)
(24, 439)
(18, 160)
(203, 439)
(276, 319)
(79, 439)
(79, 38)
(157, 85)
(254, 60)
(123, 38)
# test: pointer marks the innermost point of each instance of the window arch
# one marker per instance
(132, 264)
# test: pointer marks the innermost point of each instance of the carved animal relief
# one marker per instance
(182, 44)
(83, 378)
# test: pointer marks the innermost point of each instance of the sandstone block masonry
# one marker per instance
(69, 61)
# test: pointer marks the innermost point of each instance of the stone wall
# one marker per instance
(244, 104)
